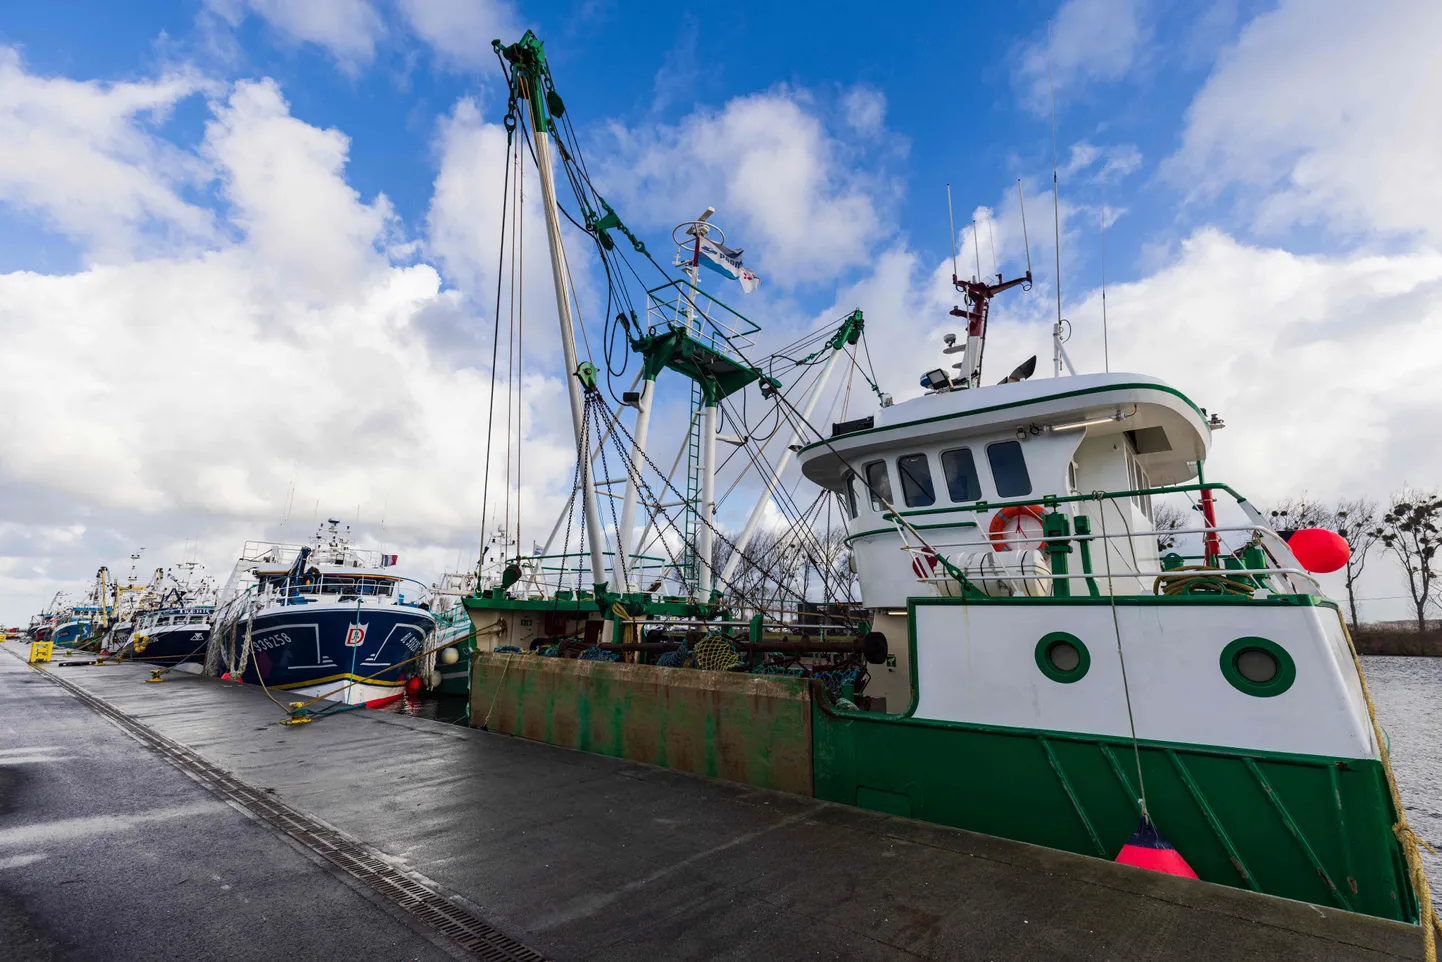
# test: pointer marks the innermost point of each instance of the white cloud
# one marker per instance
(1323, 115)
(82, 156)
(783, 184)
(1092, 41)
(199, 385)
(1303, 356)
(285, 182)
(349, 29)
(865, 109)
(461, 31)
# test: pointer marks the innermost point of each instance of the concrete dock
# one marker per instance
(181, 821)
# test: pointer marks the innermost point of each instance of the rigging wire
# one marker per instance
(495, 347)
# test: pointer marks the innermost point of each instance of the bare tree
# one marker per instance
(1294, 513)
(1410, 530)
(1169, 521)
(1356, 521)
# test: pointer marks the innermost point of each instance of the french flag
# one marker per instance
(389, 560)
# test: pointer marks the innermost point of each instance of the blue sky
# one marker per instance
(217, 213)
(960, 104)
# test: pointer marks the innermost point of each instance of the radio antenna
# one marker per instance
(991, 237)
(976, 247)
(1058, 353)
(1106, 347)
(951, 221)
(1026, 240)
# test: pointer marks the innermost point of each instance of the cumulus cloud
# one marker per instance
(82, 157)
(1092, 41)
(786, 187)
(348, 29)
(200, 386)
(461, 31)
(1320, 116)
(1302, 355)
(285, 182)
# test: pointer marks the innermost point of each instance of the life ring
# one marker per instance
(1003, 518)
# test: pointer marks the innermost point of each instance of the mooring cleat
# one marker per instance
(155, 676)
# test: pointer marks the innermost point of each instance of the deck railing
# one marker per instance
(1248, 559)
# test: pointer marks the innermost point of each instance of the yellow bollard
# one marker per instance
(41, 651)
(155, 674)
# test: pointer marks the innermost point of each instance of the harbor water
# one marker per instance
(1408, 694)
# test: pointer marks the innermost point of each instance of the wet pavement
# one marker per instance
(109, 851)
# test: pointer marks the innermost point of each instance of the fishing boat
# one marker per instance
(320, 620)
(447, 668)
(169, 624)
(1023, 657)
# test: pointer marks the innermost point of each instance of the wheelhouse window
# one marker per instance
(1137, 478)
(916, 486)
(962, 482)
(1008, 469)
(849, 483)
(878, 484)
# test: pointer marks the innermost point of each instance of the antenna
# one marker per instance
(1055, 208)
(976, 247)
(952, 222)
(991, 236)
(1106, 347)
(1025, 239)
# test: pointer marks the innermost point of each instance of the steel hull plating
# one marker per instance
(170, 645)
(304, 649)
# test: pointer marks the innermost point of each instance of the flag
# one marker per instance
(389, 560)
(727, 262)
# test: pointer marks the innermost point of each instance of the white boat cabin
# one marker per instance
(940, 461)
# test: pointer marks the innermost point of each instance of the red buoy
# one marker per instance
(383, 702)
(1318, 550)
(225, 677)
(1147, 849)
(413, 684)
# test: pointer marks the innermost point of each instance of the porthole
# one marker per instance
(1258, 666)
(1063, 657)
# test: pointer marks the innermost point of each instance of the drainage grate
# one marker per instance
(481, 939)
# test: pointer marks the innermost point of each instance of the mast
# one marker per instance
(685, 305)
(528, 59)
(978, 306)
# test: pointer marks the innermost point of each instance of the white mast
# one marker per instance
(540, 126)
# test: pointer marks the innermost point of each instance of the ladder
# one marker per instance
(691, 510)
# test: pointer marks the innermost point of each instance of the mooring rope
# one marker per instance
(1121, 658)
(1411, 842)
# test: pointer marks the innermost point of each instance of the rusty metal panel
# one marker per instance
(754, 729)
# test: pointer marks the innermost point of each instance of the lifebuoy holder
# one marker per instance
(1001, 521)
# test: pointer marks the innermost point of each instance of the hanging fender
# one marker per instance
(1001, 522)
(923, 563)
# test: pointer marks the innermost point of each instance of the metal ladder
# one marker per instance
(692, 509)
